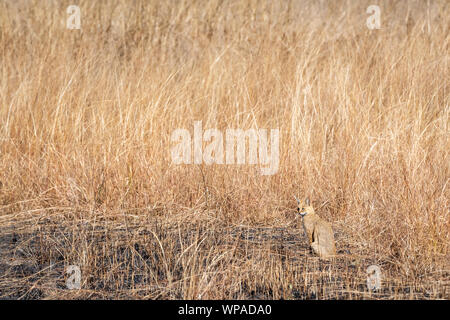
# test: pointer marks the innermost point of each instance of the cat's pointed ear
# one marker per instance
(298, 201)
(307, 201)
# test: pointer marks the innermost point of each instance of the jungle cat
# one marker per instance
(319, 232)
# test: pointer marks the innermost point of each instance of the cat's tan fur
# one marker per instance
(319, 232)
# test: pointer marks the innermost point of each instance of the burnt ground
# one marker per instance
(150, 257)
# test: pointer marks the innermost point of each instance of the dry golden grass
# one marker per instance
(85, 168)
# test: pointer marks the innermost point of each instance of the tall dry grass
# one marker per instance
(87, 178)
